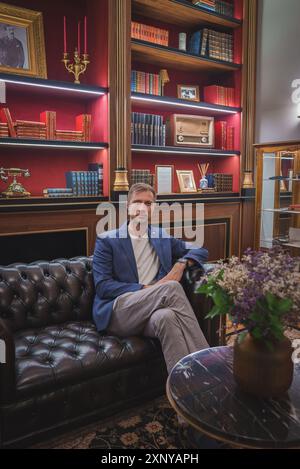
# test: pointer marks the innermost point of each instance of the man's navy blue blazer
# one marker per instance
(115, 271)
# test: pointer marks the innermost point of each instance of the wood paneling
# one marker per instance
(18, 222)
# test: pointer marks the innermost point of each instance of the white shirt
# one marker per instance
(146, 258)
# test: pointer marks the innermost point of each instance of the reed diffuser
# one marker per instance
(203, 168)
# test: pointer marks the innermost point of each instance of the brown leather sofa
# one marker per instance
(59, 370)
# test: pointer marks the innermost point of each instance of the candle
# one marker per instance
(65, 35)
(85, 35)
(78, 47)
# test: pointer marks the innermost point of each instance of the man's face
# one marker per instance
(141, 206)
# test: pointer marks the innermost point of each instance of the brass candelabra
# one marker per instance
(79, 66)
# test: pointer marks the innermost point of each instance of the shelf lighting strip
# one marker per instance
(54, 87)
(181, 152)
(190, 106)
(50, 145)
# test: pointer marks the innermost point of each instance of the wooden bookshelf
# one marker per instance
(23, 83)
(183, 151)
(174, 104)
(51, 144)
(154, 54)
(182, 13)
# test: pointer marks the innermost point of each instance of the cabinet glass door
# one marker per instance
(280, 200)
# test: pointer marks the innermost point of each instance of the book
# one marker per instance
(6, 117)
(83, 125)
(194, 43)
(49, 118)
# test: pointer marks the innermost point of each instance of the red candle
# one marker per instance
(78, 47)
(85, 35)
(65, 35)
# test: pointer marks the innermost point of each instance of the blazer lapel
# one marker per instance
(126, 245)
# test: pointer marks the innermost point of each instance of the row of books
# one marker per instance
(149, 33)
(221, 7)
(219, 95)
(86, 183)
(147, 129)
(222, 182)
(142, 175)
(213, 44)
(224, 136)
(45, 129)
(148, 83)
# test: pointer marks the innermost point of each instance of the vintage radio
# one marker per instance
(191, 131)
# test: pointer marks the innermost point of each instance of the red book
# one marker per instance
(6, 117)
(221, 135)
(230, 138)
(49, 119)
(84, 124)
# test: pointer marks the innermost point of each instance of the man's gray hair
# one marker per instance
(140, 187)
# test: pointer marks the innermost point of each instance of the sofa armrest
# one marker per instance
(201, 305)
(7, 369)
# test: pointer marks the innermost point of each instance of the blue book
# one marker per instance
(194, 43)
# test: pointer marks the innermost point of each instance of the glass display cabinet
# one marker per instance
(278, 197)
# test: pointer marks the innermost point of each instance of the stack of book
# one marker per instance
(46, 128)
(148, 83)
(212, 44)
(147, 33)
(30, 129)
(218, 6)
(147, 129)
(83, 183)
(53, 192)
(224, 136)
(223, 182)
(207, 4)
(219, 95)
(142, 175)
(73, 135)
(4, 130)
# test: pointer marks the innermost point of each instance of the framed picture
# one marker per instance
(164, 179)
(22, 44)
(189, 92)
(186, 181)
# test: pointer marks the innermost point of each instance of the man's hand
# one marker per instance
(175, 273)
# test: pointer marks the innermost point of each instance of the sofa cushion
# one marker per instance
(54, 356)
(45, 293)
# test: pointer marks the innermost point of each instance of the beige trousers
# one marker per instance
(162, 311)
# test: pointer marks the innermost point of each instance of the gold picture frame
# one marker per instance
(22, 42)
(186, 180)
(188, 92)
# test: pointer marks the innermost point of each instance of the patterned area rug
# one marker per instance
(151, 426)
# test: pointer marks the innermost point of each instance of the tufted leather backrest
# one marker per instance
(44, 293)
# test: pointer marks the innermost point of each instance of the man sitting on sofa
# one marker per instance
(138, 290)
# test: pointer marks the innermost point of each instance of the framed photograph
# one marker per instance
(164, 179)
(186, 181)
(22, 43)
(189, 92)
